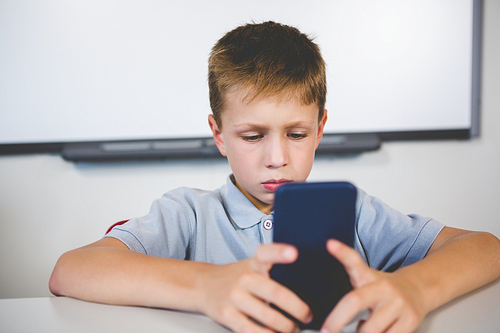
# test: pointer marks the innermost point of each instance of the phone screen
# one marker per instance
(306, 215)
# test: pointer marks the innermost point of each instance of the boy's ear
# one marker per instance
(321, 128)
(217, 134)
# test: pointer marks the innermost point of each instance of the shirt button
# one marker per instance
(268, 224)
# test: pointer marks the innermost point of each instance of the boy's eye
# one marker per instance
(252, 137)
(297, 135)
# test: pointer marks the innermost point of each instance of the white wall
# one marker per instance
(48, 205)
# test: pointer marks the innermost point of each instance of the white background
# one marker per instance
(103, 70)
(49, 206)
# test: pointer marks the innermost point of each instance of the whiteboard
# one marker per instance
(93, 70)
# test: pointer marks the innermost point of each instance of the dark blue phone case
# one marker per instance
(307, 215)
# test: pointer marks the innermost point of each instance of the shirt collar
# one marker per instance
(242, 211)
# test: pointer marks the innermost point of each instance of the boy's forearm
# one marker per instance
(457, 266)
(231, 294)
(119, 276)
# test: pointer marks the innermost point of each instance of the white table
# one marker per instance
(477, 312)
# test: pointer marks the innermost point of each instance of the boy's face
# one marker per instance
(268, 143)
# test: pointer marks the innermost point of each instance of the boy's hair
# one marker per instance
(266, 59)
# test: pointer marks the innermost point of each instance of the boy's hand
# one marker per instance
(234, 294)
(393, 301)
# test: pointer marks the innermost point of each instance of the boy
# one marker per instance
(210, 251)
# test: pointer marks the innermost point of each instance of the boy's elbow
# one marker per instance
(56, 281)
(54, 284)
(495, 244)
(490, 241)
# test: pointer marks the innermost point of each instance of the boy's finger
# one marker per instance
(359, 272)
(269, 254)
(349, 306)
(238, 322)
(342, 314)
(274, 293)
(263, 313)
(381, 319)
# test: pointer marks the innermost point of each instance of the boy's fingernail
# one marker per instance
(324, 330)
(334, 243)
(288, 253)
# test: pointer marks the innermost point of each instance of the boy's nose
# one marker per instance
(276, 154)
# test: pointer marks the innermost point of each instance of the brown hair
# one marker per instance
(269, 59)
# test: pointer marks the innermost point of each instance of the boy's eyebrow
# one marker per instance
(265, 127)
(301, 124)
(251, 126)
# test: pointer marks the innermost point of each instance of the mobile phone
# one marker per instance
(306, 215)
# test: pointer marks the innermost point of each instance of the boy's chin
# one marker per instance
(265, 200)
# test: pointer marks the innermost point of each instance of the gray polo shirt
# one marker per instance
(223, 226)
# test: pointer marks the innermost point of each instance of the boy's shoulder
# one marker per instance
(192, 196)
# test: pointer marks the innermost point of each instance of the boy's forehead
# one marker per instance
(237, 106)
(239, 98)
(246, 95)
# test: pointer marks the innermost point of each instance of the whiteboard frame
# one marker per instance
(373, 142)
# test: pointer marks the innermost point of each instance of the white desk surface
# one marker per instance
(477, 312)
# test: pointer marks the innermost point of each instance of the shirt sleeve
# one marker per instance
(164, 232)
(388, 239)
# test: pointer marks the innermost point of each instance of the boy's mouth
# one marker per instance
(273, 184)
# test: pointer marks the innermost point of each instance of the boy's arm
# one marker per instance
(108, 272)
(459, 261)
